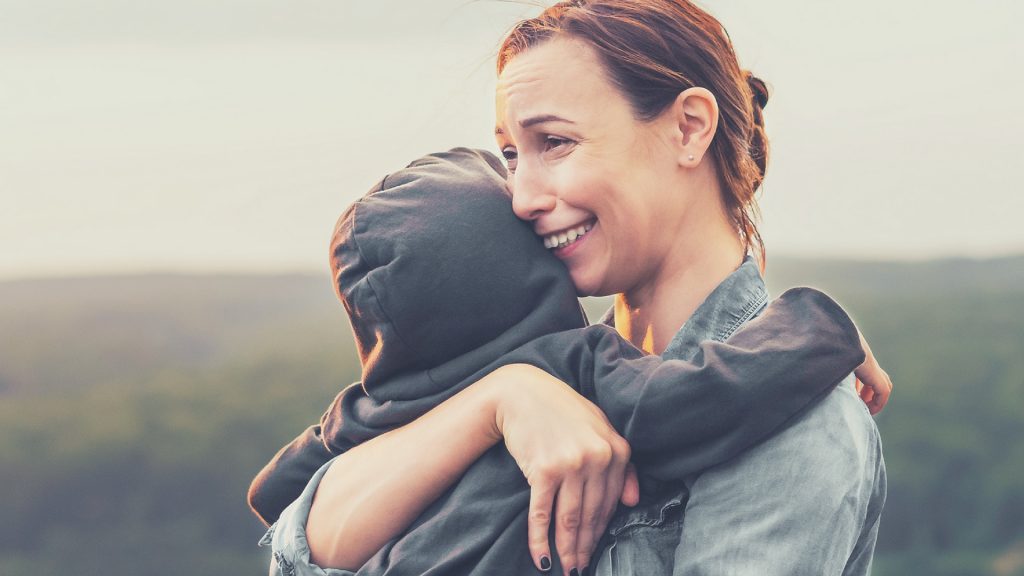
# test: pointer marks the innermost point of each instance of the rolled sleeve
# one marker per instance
(287, 537)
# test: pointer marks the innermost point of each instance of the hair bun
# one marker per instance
(758, 88)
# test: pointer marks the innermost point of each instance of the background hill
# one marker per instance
(136, 409)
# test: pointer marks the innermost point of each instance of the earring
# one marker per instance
(690, 157)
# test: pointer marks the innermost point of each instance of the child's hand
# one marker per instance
(873, 383)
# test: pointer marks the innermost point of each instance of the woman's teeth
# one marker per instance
(566, 237)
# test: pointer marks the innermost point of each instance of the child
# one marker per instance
(443, 285)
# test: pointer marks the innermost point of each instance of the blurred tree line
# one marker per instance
(135, 410)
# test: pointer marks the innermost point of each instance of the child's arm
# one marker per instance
(283, 478)
(374, 491)
(683, 417)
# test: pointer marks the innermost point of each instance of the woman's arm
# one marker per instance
(374, 491)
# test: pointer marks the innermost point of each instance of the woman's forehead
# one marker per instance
(561, 77)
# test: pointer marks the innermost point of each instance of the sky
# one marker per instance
(228, 135)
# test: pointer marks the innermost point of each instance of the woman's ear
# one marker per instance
(694, 116)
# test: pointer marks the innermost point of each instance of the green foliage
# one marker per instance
(136, 410)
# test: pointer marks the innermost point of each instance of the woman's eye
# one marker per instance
(552, 142)
(510, 155)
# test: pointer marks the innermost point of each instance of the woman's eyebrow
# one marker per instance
(527, 122)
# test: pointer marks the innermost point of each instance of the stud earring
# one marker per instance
(690, 157)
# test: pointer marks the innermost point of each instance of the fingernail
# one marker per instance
(545, 563)
(574, 572)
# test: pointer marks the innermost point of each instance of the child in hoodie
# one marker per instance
(443, 284)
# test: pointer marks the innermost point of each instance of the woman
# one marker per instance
(633, 122)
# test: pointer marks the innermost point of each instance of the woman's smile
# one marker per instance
(567, 237)
(571, 246)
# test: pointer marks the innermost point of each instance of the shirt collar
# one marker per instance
(738, 298)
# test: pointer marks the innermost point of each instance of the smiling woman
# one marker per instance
(634, 119)
(635, 144)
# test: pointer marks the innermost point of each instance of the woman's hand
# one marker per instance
(576, 464)
(873, 383)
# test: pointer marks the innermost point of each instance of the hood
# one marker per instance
(439, 278)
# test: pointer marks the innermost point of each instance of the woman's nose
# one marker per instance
(530, 198)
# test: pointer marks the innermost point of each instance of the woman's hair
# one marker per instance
(655, 49)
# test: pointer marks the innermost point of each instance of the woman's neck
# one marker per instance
(650, 314)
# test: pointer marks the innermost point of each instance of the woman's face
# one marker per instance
(602, 188)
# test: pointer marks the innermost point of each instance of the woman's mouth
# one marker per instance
(567, 237)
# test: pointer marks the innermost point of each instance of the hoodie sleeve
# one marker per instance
(682, 417)
(283, 479)
(352, 418)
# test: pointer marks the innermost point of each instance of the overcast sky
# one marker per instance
(228, 135)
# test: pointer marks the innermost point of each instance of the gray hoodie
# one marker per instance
(443, 284)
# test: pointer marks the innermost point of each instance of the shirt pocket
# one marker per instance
(643, 540)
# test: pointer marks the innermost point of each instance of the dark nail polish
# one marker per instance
(545, 563)
(574, 572)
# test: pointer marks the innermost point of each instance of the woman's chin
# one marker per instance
(586, 282)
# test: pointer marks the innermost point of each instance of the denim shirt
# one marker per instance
(741, 524)
(652, 528)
